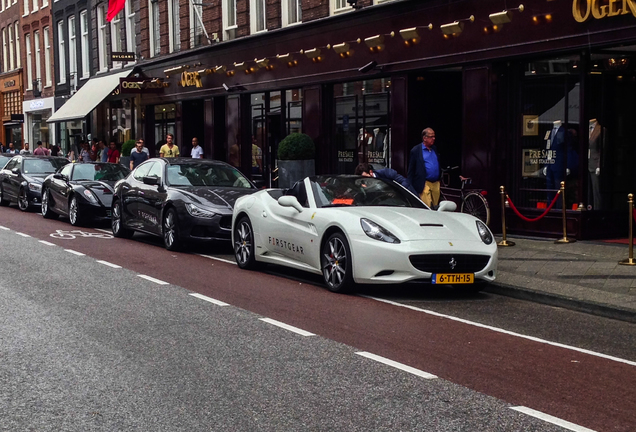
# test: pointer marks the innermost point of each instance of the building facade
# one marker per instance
(11, 88)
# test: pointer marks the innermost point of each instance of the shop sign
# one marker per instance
(135, 85)
(122, 56)
(345, 156)
(34, 105)
(189, 79)
(582, 10)
(17, 118)
(9, 83)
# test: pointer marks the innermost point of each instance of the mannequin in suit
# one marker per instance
(378, 140)
(554, 172)
(365, 139)
(594, 162)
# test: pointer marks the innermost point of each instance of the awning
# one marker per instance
(87, 97)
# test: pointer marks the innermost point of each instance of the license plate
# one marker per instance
(457, 278)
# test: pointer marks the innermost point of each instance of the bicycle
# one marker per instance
(473, 201)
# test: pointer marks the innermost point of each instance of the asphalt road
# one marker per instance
(90, 346)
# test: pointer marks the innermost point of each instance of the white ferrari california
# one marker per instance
(354, 229)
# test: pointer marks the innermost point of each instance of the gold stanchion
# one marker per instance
(565, 238)
(630, 260)
(504, 242)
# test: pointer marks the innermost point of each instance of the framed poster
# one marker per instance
(530, 125)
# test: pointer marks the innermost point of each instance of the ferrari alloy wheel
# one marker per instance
(171, 230)
(336, 263)
(117, 223)
(74, 212)
(23, 200)
(3, 202)
(46, 205)
(244, 244)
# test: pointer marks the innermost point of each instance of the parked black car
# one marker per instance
(179, 199)
(81, 191)
(21, 179)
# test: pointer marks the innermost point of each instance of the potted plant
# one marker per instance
(295, 159)
(126, 148)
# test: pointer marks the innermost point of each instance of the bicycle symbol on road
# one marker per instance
(70, 235)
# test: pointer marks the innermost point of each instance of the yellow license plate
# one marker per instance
(457, 278)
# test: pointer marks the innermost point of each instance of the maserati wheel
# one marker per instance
(74, 212)
(117, 223)
(46, 205)
(23, 200)
(244, 244)
(336, 263)
(171, 230)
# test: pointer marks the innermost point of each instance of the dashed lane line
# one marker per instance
(397, 365)
(47, 243)
(287, 327)
(106, 263)
(74, 252)
(551, 419)
(22, 234)
(217, 259)
(507, 332)
(5, 228)
(209, 299)
(104, 230)
(151, 279)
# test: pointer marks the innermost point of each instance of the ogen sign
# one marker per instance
(582, 10)
(135, 85)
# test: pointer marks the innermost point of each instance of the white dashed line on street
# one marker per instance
(106, 263)
(74, 252)
(500, 330)
(397, 365)
(217, 259)
(5, 228)
(47, 243)
(551, 419)
(22, 234)
(209, 299)
(104, 230)
(151, 279)
(287, 327)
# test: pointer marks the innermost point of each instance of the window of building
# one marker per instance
(174, 31)
(115, 37)
(197, 36)
(291, 11)
(27, 44)
(38, 63)
(258, 20)
(45, 3)
(130, 27)
(153, 26)
(229, 19)
(47, 57)
(36, 6)
(11, 48)
(338, 6)
(26, 7)
(84, 43)
(101, 39)
(5, 63)
(61, 48)
(18, 59)
(72, 51)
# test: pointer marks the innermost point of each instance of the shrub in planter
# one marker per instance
(127, 147)
(295, 159)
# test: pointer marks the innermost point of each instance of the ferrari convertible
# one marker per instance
(354, 229)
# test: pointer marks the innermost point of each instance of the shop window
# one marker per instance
(362, 129)
(165, 116)
(294, 114)
(259, 133)
(121, 115)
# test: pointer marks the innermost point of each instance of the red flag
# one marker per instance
(114, 7)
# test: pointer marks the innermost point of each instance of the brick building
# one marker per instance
(11, 88)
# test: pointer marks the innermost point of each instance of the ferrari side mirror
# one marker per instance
(447, 206)
(290, 201)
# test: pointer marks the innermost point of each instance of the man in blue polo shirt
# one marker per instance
(138, 155)
(424, 170)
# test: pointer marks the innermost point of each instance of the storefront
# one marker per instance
(12, 117)
(36, 128)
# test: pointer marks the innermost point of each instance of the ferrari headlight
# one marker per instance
(90, 196)
(35, 187)
(376, 232)
(484, 232)
(197, 211)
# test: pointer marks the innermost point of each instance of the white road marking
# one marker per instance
(209, 299)
(151, 279)
(22, 234)
(106, 263)
(5, 228)
(551, 419)
(510, 333)
(287, 327)
(74, 252)
(104, 230)
(217, 259)
(397, 365)
(47, 243)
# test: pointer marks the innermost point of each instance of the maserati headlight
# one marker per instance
(90, 196)
(197, 211)
(376, 232)
(484, 232)
(35, 187)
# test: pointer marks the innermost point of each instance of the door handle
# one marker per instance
(264, 214)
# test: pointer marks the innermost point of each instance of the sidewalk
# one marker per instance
(583, 276)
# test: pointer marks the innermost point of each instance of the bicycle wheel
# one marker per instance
(475, 204)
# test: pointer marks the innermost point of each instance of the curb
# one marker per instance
(578, 305)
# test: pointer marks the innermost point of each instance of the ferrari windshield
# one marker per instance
(43, 166)
(102, 172)
(345, 190)
(206, 174)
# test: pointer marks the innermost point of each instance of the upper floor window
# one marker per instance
(84, 43)
(61, 49)
(18, 59)
(47, 57)
(72, 49)
(26, 7)
(101, 39)
(36, 5)
(153, 28)
(38, 64)
(291, 12)
(5, 63)
(338, 6)
(130, 27)
(174, 31)
(197, 35)
(45, 3)
(11, 48)
(258, 20)
(229, 19)
(27, 46)
(115, 37)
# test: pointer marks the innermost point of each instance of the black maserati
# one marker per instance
(81, 191)
(179, 199)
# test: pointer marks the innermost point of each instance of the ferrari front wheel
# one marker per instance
(46, 205)
(337, 268)
(244, 244)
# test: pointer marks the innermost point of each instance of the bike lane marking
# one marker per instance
(74, 252)
(397, 365)
(551, 419)
(217, 259)
(22, 234)
(106, 263)
(47, 243)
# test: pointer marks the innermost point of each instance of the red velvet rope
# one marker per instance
(512, 206)
(634, 210)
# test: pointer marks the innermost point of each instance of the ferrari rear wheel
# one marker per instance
(171, 238)
(46, 205)
(244, 244)
(117, 223)
(74, 215)
(336, 263)
(3, 202)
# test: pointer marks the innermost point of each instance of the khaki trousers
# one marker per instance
(430, 195)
